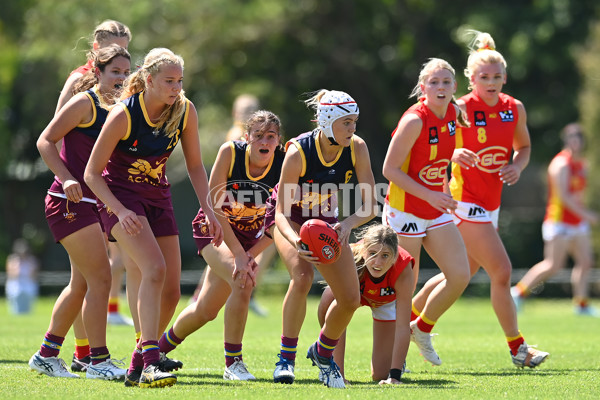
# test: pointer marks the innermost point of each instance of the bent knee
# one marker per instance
(302, 282)
(349, 302)
(206, 314)
(155, 272)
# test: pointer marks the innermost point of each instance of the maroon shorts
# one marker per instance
(65, 217)
(161, 218)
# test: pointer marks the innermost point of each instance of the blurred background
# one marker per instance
(281, 50)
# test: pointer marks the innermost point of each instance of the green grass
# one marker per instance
(476, 360)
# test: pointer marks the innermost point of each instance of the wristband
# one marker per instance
(396, 374)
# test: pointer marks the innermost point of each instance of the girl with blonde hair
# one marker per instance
(127, 173)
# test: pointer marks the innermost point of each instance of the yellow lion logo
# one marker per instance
(143, 167)
(240, 212)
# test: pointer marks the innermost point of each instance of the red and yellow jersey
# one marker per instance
(556, 210)
(83, 68)
(491, 137)
(427, 161)
(377, 294)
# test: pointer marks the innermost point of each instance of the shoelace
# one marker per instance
(62, 365)
(242, 366)
(117, 362)
(283, 362)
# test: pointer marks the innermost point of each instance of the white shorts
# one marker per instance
(472, 212)
(385, 313)
(550, 230)
(409, 225)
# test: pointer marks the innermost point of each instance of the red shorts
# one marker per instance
(65, 217)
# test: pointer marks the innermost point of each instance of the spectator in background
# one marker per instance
(566, 227)
(22, 269)
(244, 106)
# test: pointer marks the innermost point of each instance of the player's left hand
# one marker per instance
(510, 174)
(343, 232)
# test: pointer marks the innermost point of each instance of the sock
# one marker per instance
(150, 352)
(289, 346)
(99, 354)
(82, 348)
(580, 302)
(113, 305)
(232, 351)
(515, 342)
(522, 289)
(425, 324)
(326, 345)
(51, 345)
(137, 360)
(138, 336)
(169, 341)
(414, 313)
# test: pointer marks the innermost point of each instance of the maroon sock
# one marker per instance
(233, 352)
(137, 361)
(150, 352)
(289, 347)
(325, 346)
(51, 345)
(169, 341)
(99, 354)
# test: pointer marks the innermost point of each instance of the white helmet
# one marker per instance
(332, 106)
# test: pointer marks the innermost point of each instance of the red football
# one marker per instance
(320, 238)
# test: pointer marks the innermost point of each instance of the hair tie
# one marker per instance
(486, 47)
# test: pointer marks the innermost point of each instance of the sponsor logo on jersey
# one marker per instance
(433, 135)
(507, 116)
(492, 158)
(480, 118)
(388, 291)
(433, 174)
(452, 127)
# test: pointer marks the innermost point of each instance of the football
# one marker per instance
(320, 238)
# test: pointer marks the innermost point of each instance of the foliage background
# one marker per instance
(281, 50)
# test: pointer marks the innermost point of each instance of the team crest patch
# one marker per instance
(507, 116)
(480, 118)
(70, 216)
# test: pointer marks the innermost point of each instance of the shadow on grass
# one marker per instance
(519, 372)
(14, 361)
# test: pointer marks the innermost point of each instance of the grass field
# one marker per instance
(476, 362)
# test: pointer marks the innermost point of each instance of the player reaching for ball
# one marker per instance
(416, 206)
(386, 286)
(316, 163)
(244, 171)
